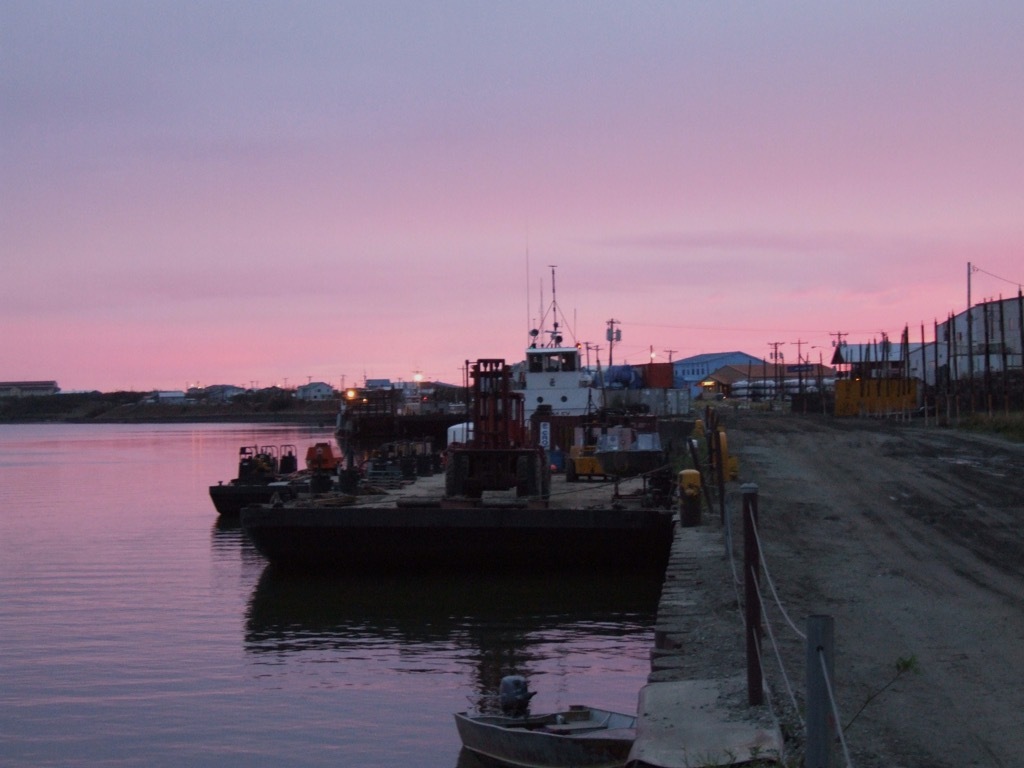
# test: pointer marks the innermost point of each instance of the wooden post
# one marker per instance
(751, 578)
(821, 725)
(1005, 360)
(1020, 327)
(720, 473)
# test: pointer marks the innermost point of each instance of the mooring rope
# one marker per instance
(835, 708)
(771, 584)
(778, 655)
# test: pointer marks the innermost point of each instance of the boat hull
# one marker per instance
(229, 499)
(528, 743)
(433, 537)
(629, 463)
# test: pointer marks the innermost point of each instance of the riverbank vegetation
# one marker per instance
(138, 407)
(1009, 426)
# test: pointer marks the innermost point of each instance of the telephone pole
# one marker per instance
(612, 335)
(776, 357)
(799, 364)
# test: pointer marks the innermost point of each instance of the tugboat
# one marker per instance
(553, 374)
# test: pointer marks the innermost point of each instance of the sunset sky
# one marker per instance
(264, 192)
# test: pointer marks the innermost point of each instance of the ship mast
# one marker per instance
(556, 337)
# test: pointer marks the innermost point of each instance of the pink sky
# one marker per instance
(201, 193)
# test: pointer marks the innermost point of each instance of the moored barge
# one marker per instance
(497, 511)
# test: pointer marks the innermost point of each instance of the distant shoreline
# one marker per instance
(125, 408)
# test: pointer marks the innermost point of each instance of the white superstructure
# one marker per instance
(555, 376)
(553, 373)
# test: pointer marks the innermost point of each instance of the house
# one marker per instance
(28, 388)
(689, 372)
(315, 390)
(216, 393)
(166, 397)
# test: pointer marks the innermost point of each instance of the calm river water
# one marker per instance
(137, 631)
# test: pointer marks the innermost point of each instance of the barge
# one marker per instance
(498, 510)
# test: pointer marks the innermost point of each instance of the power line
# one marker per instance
(997, 277)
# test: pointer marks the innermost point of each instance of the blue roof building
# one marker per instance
(690, 371)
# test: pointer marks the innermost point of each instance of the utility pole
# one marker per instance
(776, 357)
(612, 335)
(838, 344)
(970, 337)
(884, 355)
(799, 364)
(670, 352)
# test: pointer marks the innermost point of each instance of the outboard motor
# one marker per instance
(514, 696)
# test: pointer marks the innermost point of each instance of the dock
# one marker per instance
(694, 712)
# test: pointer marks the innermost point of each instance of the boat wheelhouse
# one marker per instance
(555, 376)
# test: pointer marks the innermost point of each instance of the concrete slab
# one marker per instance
(699, 723)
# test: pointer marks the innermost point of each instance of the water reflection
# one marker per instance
(493, 624)
(228, 538)
(468, 759)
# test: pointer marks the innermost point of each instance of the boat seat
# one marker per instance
(581, 727)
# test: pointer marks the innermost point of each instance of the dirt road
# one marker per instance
(911, 538)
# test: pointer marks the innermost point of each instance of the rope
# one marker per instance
(764, 683)
(732, 565)
(778, 655)
(768, 577)
(835, 708)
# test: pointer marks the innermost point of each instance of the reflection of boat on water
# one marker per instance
(484, 626)
(296, 612)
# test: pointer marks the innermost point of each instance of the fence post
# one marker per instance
(751, 574)
(821, 725)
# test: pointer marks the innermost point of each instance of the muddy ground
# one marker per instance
(911, 538)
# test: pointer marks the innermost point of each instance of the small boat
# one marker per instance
(628, 444)
(630, 449)
(269, 474)
(579, 736)
(262, 475)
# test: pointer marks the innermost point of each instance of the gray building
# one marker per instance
(689, 372)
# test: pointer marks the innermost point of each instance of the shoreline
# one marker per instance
(126, 408)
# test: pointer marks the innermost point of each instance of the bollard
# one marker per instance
(689, 497)
(821, 725)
